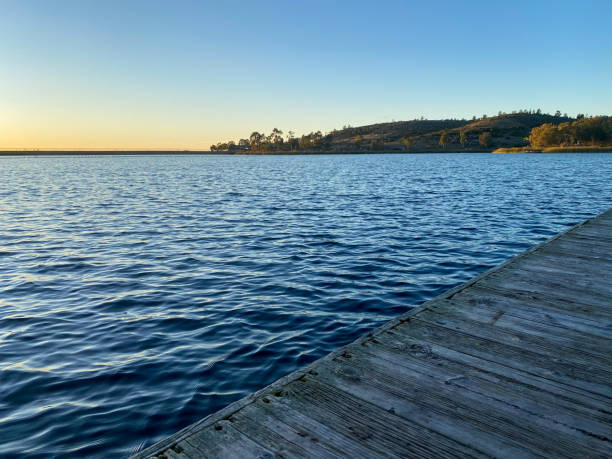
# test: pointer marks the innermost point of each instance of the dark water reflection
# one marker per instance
(138, 294)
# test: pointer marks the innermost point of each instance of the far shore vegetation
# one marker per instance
(582, 135)
(519, 131)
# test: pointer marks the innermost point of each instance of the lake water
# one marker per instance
(140, 293)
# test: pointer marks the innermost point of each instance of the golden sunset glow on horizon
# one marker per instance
(108, 75)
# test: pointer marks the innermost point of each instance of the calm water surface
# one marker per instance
(138, 294)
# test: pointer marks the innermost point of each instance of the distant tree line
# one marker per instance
(541, 129)
(584, 131)
(275, 141)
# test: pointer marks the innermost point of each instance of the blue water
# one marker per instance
(138, 294)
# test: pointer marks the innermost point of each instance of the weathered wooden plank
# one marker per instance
(515, 363)
(211, 442)
(577, 376)
(578, 292)
(532, 315)
(487, 419)
(259, 422)
(381, 430)
(423, 349)
(305, 424)
(588, 284)
(575, 348)
(535, 323)
(548, 254)
(179, 452)
(223, 441)
(546, 303)
(579, 248)
(594, 232)
(518, 390)
(556, 270)
(558, 266)
(596, 229)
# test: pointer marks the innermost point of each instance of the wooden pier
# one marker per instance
(515, 363)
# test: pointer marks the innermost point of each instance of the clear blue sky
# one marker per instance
(184, 74)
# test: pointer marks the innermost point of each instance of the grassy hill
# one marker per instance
(508, 130)
(449, 135)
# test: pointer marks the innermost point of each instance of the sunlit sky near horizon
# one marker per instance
(185, 74)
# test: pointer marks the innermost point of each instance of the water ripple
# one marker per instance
(138, 294)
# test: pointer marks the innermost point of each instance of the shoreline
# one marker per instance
(17, 153)
(206, 153)
(574, 149)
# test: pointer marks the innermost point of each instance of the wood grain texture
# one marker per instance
(516, 362)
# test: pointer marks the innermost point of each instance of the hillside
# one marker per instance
(504, 130)
(482, 134)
